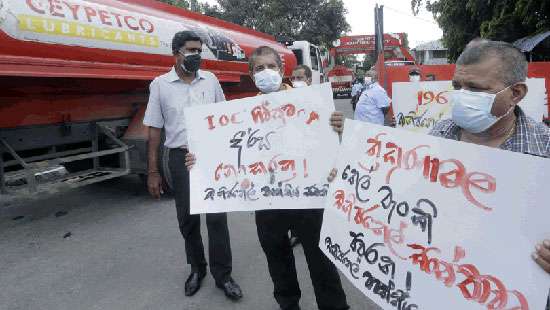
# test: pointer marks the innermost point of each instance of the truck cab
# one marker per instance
(309, 55)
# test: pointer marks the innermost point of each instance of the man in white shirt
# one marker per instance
(356, 88)
(374, 102)
(185, 85)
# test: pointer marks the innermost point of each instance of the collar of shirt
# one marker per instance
(530, 137)
(172, 76)
(284, 86)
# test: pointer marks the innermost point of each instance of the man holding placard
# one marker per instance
(272, 225)
(186, 85)
(489, 82)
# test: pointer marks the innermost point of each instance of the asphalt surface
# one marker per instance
(111, 246)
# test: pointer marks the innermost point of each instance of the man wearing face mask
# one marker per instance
(414, 75)
(373, 103)
(301, 76)
(185, 85)
(266, 69)
(489, 82)
(272, 226)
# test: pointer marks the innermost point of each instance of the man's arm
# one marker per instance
(154, 179)
(155, 121)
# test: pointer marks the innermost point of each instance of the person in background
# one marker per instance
(430, 77)
(266, 69)
(301, 76)
(414, 74)
(356, 89)
(373, 102)
(186, 85)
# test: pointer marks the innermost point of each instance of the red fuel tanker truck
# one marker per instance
(74, 79)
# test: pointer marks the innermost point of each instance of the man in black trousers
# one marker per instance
(185, 85)
(266, 69)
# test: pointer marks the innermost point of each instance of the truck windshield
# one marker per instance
(299, 57)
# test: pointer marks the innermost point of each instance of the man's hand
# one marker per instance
(337, 121)
(190, 160)
(154, 184)
(542, 255)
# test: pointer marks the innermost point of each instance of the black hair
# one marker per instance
(306, 69)
(181, 38)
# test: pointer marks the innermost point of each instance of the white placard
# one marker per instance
(419, 105)
(265, 152)
(418, 222)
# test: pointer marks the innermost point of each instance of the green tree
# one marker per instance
(317, 21)
(505, 20)
(180, 3)
(195, 6)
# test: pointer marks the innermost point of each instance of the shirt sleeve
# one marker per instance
(153, 113)
(381, 98)
(218, 92)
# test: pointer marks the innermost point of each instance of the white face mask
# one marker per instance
(368, 79)
(268, 80)
(472, 110)
(414, 78)
(299, 84)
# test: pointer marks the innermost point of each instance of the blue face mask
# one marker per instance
(472, 110)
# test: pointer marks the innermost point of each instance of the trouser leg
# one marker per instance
(189, 224)
(324, 275)
(219, 246)
(272, 227)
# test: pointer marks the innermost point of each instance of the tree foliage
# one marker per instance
(192, 5)
(317, 21)
(505, 20)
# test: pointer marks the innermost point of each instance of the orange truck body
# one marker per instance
(68, 64)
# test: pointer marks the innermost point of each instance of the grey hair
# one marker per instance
(513, 65)
(264, 51)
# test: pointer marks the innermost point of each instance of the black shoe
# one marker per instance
(294, 241)
(231, 289)
(193, 283)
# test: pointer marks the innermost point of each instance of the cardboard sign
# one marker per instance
(266, 152)
(419, 105)
(418, 222)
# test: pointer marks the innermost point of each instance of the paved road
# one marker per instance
(109, 246)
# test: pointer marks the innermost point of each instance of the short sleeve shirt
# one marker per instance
(169, 95)
(369, 107)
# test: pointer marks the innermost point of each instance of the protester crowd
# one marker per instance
(489, 82)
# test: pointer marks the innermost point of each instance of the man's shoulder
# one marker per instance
(165, 77)
(540, 136)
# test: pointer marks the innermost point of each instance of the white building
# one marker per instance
(431, 53)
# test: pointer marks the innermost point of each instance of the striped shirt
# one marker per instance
(531, 137)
